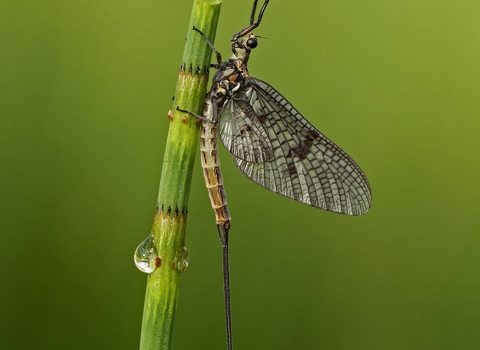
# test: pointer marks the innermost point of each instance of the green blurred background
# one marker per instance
(84, 94)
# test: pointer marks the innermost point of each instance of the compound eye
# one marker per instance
(252, 43)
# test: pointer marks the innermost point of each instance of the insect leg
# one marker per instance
(198, 116)
(213, 120)
(217, 53)
(252, 25)
(252, 16)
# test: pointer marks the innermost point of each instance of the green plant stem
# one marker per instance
(170, 218)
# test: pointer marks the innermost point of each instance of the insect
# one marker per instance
(271, 143)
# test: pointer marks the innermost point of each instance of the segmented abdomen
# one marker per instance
(212, 173)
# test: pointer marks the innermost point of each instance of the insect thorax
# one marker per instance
(229, 77)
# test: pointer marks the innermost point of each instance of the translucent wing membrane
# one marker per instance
(306, 165)
(242, 133)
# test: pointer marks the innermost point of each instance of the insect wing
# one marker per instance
(306, 165)
(242, 133)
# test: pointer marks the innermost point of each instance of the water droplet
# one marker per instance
(146, 257)
(182, 259)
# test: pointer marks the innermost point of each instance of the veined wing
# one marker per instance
(242, 133)
(306, 165)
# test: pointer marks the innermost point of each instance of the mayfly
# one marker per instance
(271, 143)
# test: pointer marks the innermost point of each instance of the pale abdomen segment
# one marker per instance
(212, 173)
